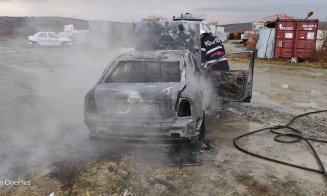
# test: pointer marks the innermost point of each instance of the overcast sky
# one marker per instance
(231, 11)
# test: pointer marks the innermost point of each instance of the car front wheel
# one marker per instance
(64, 44)
(35, 44)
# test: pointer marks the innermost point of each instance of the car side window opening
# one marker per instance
(43, 35)
(145, 72)
(118, 75)
(51, 35)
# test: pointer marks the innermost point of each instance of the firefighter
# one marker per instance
(212, 49)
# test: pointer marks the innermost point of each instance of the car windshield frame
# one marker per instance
(145, 64)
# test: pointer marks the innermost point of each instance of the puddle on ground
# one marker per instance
(308, 104)
(290, 87)
(281, 97)
(223, 131)
(293, 96)
(315, 92)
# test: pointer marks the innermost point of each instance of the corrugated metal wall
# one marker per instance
(266, 43)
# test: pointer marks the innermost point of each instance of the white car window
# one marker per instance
(51, 35)
(43, 35)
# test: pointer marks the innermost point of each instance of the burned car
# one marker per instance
(142, 96)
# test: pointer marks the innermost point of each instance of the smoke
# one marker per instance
(42, 104)
(202, 83)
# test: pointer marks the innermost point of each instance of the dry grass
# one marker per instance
(96, 179)
(320, 63)
(254, 187)
(321, 58)
(280, 187)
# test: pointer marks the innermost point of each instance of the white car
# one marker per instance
(48, 39)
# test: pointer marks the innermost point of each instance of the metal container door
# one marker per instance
(306, 39)
(285, 36)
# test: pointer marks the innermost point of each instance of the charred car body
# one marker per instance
(142, 96)
(146, 95)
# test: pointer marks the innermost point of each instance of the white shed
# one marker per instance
(266, 43)
(321, 36)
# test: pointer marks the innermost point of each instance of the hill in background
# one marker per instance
(241, 27)
(23, 26)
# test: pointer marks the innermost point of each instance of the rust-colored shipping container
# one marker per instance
(295, 38)
(235, 36)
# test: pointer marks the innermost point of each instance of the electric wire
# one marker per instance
(293, 135)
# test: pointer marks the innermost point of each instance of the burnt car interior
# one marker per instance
(235, 84)
(145, 72)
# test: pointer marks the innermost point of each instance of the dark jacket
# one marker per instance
(211, 49)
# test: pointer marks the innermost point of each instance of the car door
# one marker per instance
(235, 84)
(54, 40)
(43, 38)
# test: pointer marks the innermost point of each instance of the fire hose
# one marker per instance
(293, 135)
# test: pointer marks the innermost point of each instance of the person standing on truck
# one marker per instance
(212, 49)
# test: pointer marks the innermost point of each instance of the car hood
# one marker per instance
(137, 100)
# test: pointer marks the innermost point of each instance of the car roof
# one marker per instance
(157, 55)
(45, 32)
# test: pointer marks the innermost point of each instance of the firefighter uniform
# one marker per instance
(212, 49)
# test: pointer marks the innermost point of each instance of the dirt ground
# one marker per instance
(45, 143)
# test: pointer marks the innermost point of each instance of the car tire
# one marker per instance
(35, 44)
(64, 44)
(202, 134)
